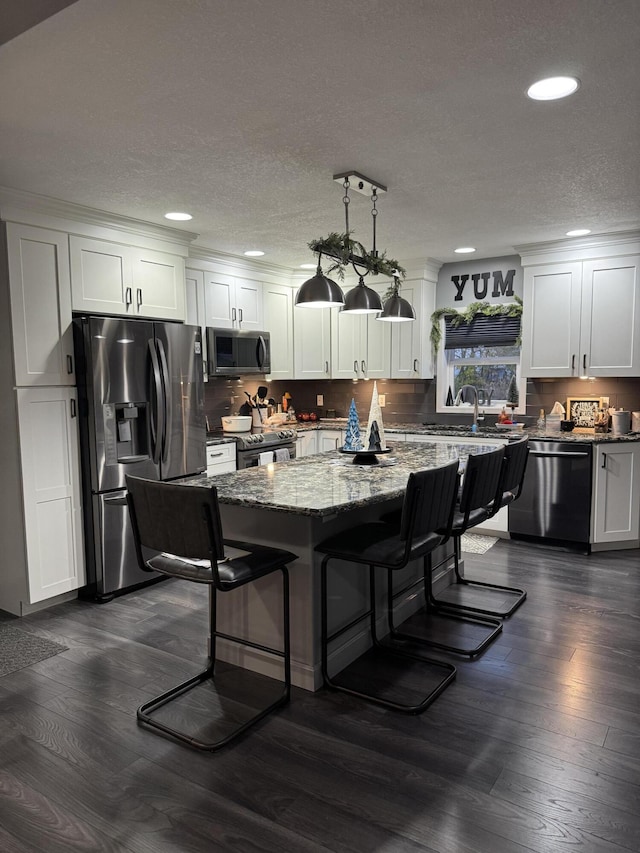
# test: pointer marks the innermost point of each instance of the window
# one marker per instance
(484, 353)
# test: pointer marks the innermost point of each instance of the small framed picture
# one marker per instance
(582, 410)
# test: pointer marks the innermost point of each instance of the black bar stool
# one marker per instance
(509, 489)
(183, 523)
(474, 504)
(424, 524)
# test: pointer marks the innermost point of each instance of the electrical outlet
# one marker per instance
(319, 399)
(382, 399)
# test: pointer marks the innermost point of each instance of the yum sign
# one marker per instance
(501, 285)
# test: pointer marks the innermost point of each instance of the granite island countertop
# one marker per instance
(327, 483)
(459, 432)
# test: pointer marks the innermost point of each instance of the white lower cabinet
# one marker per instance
(499, 524)
(330, 439)
(616, 492)
(307, 443)
(221, 459)
(51, 491)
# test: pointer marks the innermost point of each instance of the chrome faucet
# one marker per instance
(458, 400)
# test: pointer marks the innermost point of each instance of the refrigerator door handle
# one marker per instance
(116, 501)
(157, 418)
(166, 391)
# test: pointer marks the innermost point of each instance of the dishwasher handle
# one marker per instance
(559, 454)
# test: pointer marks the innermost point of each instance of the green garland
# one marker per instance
(511, 309)
(345, 251)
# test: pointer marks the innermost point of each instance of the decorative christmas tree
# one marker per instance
(352, 440)
(513, 395)
(374, 437)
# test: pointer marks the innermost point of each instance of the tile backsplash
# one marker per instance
(407, 401)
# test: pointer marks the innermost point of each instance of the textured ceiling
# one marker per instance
(240, 111)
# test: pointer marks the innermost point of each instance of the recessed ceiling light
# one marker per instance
(552, 88)
(308, 266)
(178, 217)
(464, 250)
(579, 232)
(254, 253)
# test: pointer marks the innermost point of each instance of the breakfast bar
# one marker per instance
(300, 503)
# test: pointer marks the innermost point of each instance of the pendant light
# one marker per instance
(362, 299)
(322, 292)
(319, 292)
(396, 309)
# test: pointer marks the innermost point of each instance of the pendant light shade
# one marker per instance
(319, 292)
(397, 310)
(362, 300)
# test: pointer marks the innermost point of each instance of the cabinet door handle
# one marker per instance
(363, 364)
(127, 296)
(326, 367)
(139, 296)
(573, 362)
(240, 314)
(233, 315)
(213, 455)
(355, 367)
(415, 365)
(69, 364)
(72, 406)
(604, 460)
(584, 362)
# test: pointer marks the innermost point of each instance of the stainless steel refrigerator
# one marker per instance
(141, 407)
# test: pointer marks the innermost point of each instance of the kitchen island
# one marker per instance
(295, 505)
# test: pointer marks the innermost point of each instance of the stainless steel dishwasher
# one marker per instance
(555, 503)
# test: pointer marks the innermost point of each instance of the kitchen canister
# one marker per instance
(620, 422)
(635, 421)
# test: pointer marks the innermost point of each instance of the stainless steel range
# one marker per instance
(253, 449)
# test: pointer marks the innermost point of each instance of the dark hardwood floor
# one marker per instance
(535, 747)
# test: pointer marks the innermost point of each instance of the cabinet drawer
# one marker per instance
(221, 458)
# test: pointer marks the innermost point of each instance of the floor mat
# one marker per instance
(20, 648)
(474, 543)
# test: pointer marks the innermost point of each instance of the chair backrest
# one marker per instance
(481, 478)
(516, 455)
(180, 520)
(429, 501)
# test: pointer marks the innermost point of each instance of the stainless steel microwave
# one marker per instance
(233, 352)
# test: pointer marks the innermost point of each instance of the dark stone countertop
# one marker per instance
(492, 431)
(327, 483)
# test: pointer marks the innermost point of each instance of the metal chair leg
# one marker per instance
(382, 648)
(144, 711)
(432, 605)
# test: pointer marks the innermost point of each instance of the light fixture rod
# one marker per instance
(359, 183)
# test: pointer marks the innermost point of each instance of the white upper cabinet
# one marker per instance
(312, 343)
(610, 321)
(411, 356)
(232, 302)
(278, 321)
(110, 278)
(582, 318)
(40, 291)
(360, 344)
